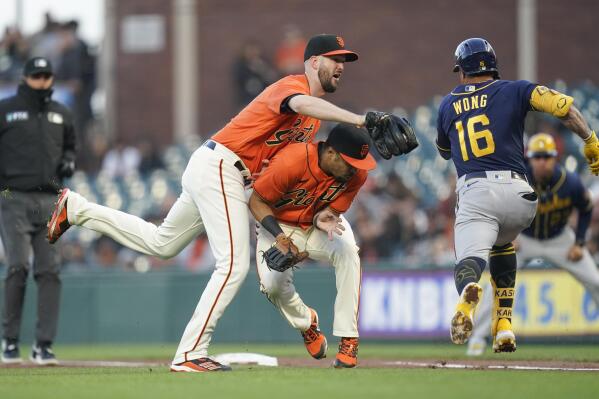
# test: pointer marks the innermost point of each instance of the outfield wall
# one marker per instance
(154, 307)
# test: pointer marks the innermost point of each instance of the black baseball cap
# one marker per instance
(353, 144)
(328, 45)
(37, 65)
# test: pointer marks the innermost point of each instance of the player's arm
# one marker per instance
(561, 106)
(272, 183)
(69, 147)
(576, 123)
(321, 109)
(442, 143)
(264, 215)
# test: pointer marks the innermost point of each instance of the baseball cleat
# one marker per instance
(504, 340)
(201, 365)
(476, 346)
(59, 222)
(10, 352)
(43, 355)
(347, 357)
(314, 340)
(461, 323)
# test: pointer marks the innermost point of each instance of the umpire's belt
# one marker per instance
(483, 174)
(238, 164)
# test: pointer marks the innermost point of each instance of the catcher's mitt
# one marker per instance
(283, 255)
(390, 134)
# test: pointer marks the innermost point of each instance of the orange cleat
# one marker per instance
(59, 223)
(201, 365)
(315, 341)
(347, 357)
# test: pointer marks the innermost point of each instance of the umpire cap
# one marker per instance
(37, 65)
(353, 145)
(541, 144)
(475, 56)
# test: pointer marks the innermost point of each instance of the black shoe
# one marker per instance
(10, 351)
(43, 355)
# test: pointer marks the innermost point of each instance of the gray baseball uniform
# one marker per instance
(492, 209)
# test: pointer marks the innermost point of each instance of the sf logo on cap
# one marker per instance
(41, 63)
(364, 151)
(340, 41)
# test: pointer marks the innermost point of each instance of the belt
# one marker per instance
(211, 144)
(478, 175)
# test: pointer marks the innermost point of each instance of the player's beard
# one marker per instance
(326, 81)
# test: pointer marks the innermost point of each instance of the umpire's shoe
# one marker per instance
(461, 323)
(504, 340)
(347, 357)
(200, 365)
(59, 222)
(315, 341)
(42, 355)
(10, 352)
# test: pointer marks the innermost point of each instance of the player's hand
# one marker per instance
(516, 245)
(575, 253)
(254, 176)
(330, 223)
(591, 153)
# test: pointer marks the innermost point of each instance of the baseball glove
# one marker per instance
(390, 134)
(283, 255)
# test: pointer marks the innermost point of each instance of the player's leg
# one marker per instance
(280, 291)
(476, 230)
(46, 269)
(502, 265)
(482, 325)
(218, 191)
(519, 207)
(342, 253)
(181, 225)
(278, 286)
(14, 231)
(477, 342)
(585, 270)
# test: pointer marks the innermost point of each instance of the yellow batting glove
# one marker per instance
(591, 153)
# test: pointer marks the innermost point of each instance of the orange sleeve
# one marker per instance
(277, 178)
(342, 203)
(280, 92)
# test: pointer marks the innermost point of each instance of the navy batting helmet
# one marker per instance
(475, 56)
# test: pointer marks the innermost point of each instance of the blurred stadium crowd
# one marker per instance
(403, 217)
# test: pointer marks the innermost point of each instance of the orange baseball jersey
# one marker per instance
(296, 188)
(260, 130)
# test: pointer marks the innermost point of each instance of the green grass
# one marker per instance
(288, 383)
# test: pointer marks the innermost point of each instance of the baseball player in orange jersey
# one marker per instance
(301, 195)
(213, 189)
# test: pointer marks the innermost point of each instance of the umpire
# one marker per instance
(37, 150)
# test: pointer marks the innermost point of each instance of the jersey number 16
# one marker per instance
(485, 136)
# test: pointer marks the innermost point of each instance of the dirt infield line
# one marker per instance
(489, 365)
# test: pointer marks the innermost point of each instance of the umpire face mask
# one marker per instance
(39, 87)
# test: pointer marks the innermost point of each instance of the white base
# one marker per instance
(246, 358)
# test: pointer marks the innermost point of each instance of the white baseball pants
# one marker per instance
(341, 253)
(212, 200)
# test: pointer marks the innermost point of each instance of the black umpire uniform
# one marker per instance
(37, 150)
